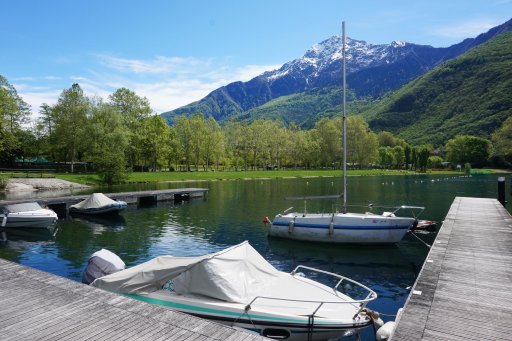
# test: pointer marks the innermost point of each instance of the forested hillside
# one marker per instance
(470, 95)
(297, 108)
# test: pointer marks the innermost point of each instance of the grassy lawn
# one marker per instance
(139, 177)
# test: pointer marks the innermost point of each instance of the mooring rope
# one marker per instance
(415, 236)
(246, 312)
(311, 321)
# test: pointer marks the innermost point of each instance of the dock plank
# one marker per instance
(41, 306)
(128, 197)
(466, 282)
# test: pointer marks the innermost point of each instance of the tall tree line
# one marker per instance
(122, 134)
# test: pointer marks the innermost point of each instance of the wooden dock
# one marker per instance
(61, 204)
(464, 290)
(35, 305)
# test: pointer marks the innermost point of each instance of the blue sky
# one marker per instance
(176, 52)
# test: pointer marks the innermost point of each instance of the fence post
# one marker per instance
(501, 190)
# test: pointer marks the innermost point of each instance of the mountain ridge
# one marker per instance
(372, 71)
(469, 95)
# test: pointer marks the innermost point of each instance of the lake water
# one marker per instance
(233, 211)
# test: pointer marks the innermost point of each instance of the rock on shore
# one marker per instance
(33, 184)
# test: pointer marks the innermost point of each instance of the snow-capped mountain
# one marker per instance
(372, 70)
(321, 65)
(360, 54)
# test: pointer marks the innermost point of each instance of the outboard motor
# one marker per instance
(101, 263)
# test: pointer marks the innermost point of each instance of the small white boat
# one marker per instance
(344, 227)
(239, 288)
(98, 203)
(26, 215)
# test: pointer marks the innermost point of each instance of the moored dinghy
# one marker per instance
(26, 215)
(98, 203)
(238, 287)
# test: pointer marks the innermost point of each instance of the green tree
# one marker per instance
(70, 115)
(154, 137)
(468, 149)
(386, 157)
(183, 131)
(236, 143)
(414, 158)
(45, 127)
(14, 112)
(175, 150)
(198, 138)
(362, 144)
(387, 139)
(328, 136)
(407, 156)
(502, 141)
(297, 146)
(434, 162)
(134, 110)
(13, 109)
(423, 155)
(109, 143)
(214, 142)
(399, 154)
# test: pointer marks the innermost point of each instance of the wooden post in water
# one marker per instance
(501, 190)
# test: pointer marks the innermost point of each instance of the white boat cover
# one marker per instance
(24, 207)
(107, 261)
(95, 200)
(101, 263)
(236, 274)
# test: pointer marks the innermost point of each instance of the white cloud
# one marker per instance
(250, 71)
(157, 65)
(37, 96)
(467, 29)
(167, 82)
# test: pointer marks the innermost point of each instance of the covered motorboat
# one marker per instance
(238, 287)
(98, 203)
(26, 215)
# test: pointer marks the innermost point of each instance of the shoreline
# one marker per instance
(39, 184)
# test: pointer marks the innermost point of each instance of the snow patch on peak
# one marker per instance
(327, 54)
(317, 48)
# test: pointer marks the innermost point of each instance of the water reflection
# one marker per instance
(101, 223)
(31, 235)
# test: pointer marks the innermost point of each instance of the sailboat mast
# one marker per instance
(344, 119)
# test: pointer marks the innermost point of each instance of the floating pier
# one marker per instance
(61, 204)
(464, 290)
(40, 306)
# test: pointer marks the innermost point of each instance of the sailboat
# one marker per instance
(344, 227)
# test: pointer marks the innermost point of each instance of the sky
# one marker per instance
(176, 52)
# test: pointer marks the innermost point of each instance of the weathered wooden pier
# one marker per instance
(464, 290)
(40, 306)
(61, 204)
